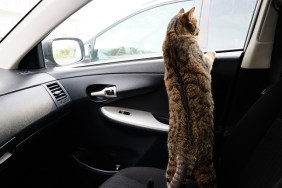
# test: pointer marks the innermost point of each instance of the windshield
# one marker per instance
(11, 13)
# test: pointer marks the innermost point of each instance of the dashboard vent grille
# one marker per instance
(58, 93)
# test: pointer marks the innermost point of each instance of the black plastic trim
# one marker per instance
(20, 110)
(15, 80)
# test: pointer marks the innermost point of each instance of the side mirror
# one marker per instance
(63, 51)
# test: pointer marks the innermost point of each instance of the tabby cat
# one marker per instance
(188, 84)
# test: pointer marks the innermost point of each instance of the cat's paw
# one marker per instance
(209, 59)
(211, 53)
(168, 185)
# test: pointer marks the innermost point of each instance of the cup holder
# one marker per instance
(97, 162)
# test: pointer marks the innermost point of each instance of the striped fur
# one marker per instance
(188, 84)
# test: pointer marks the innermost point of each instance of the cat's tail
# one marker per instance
(179, 175)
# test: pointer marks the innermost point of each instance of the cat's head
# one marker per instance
(184, 23)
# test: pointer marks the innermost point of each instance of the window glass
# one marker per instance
(11, 12)
(229, 22)
(140, 35)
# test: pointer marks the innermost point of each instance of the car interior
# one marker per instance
(105, 125)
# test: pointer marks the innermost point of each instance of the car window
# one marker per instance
(124, 34)
(138, 36)
(11, 12)
(228, 24)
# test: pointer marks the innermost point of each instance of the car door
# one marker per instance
(120, 105)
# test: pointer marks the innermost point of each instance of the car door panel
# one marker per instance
(140, 88)
(96, 130)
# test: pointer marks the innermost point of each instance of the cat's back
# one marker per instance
(175, 41)
(181, 43)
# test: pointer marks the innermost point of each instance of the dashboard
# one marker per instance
(29, 101)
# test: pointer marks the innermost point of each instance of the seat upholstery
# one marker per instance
(136, 177)
(139, 177)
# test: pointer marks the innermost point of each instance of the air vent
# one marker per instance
(58, 93)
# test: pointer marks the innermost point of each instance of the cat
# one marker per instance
(188, 84)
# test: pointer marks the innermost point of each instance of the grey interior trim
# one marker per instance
(135, 118)
(259, 49)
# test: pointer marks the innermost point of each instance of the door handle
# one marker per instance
(108, 92)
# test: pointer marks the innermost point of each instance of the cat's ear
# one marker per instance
(181, 11)
(190, 13)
